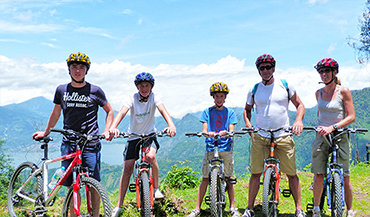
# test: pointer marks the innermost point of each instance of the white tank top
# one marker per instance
(330, 112)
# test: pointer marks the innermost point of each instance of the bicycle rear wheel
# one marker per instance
(145, 194)
(336, 196)
(269, 207)
(215, 193)
(88, 186)
(17, 205)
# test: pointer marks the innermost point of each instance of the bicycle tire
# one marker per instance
(18, 206)
(336, 196)
(145, 194)
(215, 193)
(269, 207)
(86, 185)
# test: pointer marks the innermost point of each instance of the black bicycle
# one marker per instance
(333, 181)
(217, 179)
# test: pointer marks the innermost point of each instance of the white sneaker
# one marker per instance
(350, 213)
(316, 213)
(194, 213)
(158, 194)
(234, 212)
(248, 213)
(116, 211)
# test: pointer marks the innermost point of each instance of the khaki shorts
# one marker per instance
(320, 154)
(284, 151)
(227, 156)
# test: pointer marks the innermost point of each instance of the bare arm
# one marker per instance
(113, 131)
(108, 120)
(247, 114)
(171, 129)
(298, 123)
(53, 120)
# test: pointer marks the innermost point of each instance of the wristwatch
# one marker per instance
(335, 127)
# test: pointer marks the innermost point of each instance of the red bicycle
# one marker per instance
(271, 175)
(143, 185)
(28, 189)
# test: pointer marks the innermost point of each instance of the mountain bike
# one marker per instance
(143, 185)
(271, 174)
(28, 188)
(217, 179)
(333, 188)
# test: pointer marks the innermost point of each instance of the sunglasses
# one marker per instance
(265, 67)
(322, 71)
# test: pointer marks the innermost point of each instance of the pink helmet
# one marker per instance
(265, 58)
(328, 63)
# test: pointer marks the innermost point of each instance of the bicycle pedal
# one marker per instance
(286, 193)
(232, 180)
(309, 207)
(132, 187)
(207, 200)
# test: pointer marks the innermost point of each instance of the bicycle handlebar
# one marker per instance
(77, 134)
(255, 130)
(342, 130)
(200, 134)
(142, 136)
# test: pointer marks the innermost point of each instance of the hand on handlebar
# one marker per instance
(113, 133)
(171, 131)
(297, 128)
(325, 130)
(39, 135)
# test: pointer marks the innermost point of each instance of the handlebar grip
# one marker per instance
(309, 128)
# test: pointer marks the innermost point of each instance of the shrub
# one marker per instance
(181, 178)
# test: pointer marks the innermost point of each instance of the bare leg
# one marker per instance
(125, 180)
(254, 185)
(295, 188)
(317, 188)
(201, 192)
(348, 192)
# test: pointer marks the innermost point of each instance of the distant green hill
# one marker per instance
(19, 121)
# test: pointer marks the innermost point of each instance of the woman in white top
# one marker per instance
(335, 110)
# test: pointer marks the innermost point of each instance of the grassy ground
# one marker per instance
(179, 203)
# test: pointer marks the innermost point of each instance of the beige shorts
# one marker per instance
(227, 156)
(284, 151)
(320, 154)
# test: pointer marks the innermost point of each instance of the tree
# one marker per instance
(6, 171)
(362, 44)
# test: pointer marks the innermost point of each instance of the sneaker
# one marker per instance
(248, 213)
(350, 213)
(316, 213)
(116, 211)
(234, 212)
(300, 213)
(158, 194)
(194, 213)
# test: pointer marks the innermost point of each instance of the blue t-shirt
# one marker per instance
(218, 120)
(80, 108)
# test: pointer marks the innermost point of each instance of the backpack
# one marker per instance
(256, 86)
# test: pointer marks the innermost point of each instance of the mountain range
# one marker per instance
(19, 121)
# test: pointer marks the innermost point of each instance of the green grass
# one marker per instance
(181, 202)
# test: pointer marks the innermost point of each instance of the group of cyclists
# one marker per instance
(79, 102)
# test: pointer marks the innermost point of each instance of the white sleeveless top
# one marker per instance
(330, 112)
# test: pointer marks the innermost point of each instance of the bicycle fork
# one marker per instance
(329, 181)
(137, 186)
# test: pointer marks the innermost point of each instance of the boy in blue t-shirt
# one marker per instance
(217, 119)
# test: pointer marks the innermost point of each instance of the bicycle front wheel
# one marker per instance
(145, 194)
(336, 196)
(269, 207)
(92, 199)
(215, 193)
(18, 205)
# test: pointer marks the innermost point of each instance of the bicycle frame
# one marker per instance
(75, 167)
(333, 166)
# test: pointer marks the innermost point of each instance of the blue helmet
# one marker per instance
(144, 76)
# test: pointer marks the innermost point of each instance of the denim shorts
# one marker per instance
(90, 158)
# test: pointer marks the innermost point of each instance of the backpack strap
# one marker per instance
(285, 83)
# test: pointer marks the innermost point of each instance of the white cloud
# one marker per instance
(126, 11)
(331, 48)
(25, 28)
(183, 88)
(94, 31)
(312, 2)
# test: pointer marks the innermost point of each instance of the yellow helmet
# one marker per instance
(79, 58)
(218, 87)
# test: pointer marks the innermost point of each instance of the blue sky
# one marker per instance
(186, 45)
